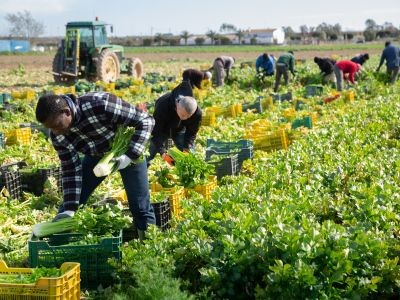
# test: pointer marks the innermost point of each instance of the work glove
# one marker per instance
(166, 157)
(63, 215)
(123, 161)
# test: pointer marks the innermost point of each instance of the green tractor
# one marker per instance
(86, 53)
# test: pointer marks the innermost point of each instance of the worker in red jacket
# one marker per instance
(345, 69)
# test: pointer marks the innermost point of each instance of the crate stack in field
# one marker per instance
(267, 137)
(54, 250)
(231, 154)
(65, 286)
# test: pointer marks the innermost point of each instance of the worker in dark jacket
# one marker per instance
(284, 64)
(196, 77)
(326, 67)
(392, 56)
(177, 116)
(360, 59)
(222, 66)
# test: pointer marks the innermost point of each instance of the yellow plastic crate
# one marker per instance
(267, 103)
(348, 96)
(209, 119)
(205, 189)
(289, 113)
(175, 195)
(120, 196)
(271, 141)
(65, 287)
(19, 136)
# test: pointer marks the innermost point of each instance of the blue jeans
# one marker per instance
(136, 184)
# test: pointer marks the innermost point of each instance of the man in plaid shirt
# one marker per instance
(87, 125)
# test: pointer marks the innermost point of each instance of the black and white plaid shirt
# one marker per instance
(95, 122)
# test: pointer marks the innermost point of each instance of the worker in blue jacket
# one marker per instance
(265, 65)
(391, 54)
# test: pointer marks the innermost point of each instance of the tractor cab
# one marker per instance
(86, 53)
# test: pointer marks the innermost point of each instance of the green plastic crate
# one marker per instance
(53, 251)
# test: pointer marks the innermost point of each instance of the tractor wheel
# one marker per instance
(107, 67)
(135, 67)
(57, 68)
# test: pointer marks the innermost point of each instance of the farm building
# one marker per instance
(264, 36)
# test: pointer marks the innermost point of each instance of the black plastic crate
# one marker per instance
(33, 181)
(53, 251)
(282, 97)
(2, 144)
(256, 106)
(163, 213)
(243, 148)
(10, 178)
(227, 166)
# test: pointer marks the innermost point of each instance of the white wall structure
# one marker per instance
(265, 36)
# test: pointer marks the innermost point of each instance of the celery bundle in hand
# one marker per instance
(119, 146)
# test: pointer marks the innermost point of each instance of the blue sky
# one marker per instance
(145, 17)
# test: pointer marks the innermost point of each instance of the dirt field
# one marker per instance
(45, 61)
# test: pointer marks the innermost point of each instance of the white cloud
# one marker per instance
(35, 6)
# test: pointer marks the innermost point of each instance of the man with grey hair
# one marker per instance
(177, 116)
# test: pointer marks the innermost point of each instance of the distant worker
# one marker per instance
(222, 66)
(196, 77)
(345, 69)
(265, 65)
(284, 64)
(325, 65)
(392, 56)
(360, 59)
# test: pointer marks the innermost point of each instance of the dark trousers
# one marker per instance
(281, 69)
(136, 184)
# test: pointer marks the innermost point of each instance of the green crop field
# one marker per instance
(313, 213)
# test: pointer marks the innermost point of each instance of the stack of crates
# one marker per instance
(272, 141)
(20, 136)
(175, 195)
(10, 180)
(243, 148)
(53, 251)
(66, 286)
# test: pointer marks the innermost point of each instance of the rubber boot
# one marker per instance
(142, 235)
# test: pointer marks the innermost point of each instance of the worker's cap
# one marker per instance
(208, 75)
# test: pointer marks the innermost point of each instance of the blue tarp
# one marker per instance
(14, 46)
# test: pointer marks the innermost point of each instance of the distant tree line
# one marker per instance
(23, 25)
